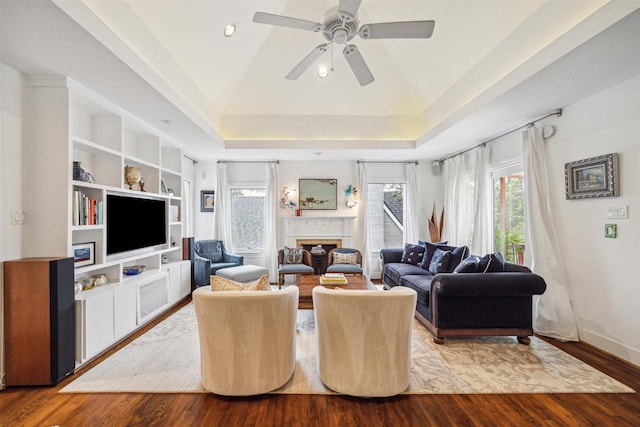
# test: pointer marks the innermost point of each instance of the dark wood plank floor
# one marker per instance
(44, 406)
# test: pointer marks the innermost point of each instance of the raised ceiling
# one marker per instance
(228, 98)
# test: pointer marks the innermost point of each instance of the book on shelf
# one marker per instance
(86, 210)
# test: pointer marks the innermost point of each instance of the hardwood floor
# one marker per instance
(44, 406)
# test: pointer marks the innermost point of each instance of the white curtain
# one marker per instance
(271, 222)
(553, 315)
(222, 209)
(455, 197)
(482, 241)
(363, 221)
(411, 219)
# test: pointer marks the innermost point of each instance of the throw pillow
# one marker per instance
(344, 258)
(293, 255)
(491, 263)
(430, 249)
(458, 255)
(219, 283)
(412, 254)
(440, 261)
(468, 265)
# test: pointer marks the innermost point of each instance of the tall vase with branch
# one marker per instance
(435, 226)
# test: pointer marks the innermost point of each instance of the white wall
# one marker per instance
(602, 272)
(289, 172)
(11, 91)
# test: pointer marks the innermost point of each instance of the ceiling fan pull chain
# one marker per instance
(331, 57)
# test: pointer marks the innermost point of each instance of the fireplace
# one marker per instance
(327, 244)
(319, 258)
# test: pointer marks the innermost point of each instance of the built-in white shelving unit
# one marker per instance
(72, 124)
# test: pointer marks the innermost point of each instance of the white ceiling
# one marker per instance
(489, 66)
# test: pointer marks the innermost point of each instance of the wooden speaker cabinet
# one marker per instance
(39, 320)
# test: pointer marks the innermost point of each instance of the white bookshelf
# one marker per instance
(72, 124)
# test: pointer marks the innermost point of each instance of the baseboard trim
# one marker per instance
(606, 344)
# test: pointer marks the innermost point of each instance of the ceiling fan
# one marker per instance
(340, 25)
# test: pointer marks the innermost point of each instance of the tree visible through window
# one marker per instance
(386, 207)
(508, 215)
(247, 219)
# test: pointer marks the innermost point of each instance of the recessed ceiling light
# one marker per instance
(229, 29)
(323, 71)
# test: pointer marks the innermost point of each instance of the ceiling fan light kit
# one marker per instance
(340, 25)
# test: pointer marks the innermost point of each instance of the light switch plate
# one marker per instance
(617, 212)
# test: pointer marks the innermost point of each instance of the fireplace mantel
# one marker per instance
(318, 228)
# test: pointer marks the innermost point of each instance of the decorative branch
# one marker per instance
(435, 228)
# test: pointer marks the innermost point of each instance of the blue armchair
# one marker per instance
(209, 257)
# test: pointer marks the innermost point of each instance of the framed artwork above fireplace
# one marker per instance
(318, 194)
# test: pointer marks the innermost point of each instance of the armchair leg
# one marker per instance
(524, 340)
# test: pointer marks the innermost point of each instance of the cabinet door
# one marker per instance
(185, 283)
(124, 300)
(98, 323)
(175, 277)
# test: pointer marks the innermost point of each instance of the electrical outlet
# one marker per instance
(618, 212)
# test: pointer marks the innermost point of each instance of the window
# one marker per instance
(247, 218)
(386, 215)
(508, 213)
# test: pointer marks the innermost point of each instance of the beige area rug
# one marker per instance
(166, 359)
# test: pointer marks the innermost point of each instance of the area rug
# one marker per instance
(166, 359)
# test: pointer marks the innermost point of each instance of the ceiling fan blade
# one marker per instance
(398, 30)
(357, 64)
(349, 6)
(307, 61)
(286, 21)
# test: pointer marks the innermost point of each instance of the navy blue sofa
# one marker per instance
(468, 304)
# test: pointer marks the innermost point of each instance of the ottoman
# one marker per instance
(243, 273)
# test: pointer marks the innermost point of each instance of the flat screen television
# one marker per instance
(134, 223)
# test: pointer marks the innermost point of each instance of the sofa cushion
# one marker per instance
(219, 283)
(468, 265)
(412, 254)
(292, 255)
(395, 270)
(419, 283)
(491, 263)
(440, 261)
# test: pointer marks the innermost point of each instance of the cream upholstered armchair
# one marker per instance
(364, 339)
(247, 339)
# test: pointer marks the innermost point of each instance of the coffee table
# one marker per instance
(306, 283)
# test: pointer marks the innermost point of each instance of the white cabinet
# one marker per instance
(69, 124)
(175, 276)
(95, 324)
(124, 308)
(185, 281)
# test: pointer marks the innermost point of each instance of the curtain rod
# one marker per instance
(194, 161)
(385, 161)
(557, 112)
(249, 161)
